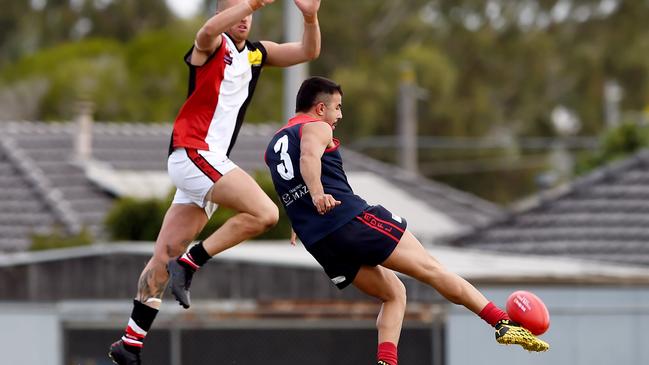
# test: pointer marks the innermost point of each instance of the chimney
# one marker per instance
(84, 121)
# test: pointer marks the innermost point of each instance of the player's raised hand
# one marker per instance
(325, 203)
(308, 7)
(256, 4)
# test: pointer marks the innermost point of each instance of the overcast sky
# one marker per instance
(184, 8)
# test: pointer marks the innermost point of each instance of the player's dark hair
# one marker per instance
(312, 90)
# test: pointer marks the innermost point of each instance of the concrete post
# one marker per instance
(407, 117)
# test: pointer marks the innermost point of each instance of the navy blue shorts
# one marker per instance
(368, 239)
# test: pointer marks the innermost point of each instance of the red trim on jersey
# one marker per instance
(377, 228)
(193, 121)
(299, 119)
(335, 147)
(203, 165)
(303, 119)
(299, 132)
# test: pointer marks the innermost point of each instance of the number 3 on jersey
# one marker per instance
(285, 169)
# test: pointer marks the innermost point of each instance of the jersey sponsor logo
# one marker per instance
(295, 193)
(228, 57)
(338, 279)
(255, 57)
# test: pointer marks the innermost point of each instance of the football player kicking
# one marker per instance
(354, 242)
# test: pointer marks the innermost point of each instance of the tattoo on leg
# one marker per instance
(150, 285)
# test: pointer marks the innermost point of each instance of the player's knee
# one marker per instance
(268, 218)
(257, 222)
(396, 292)
(400, 295)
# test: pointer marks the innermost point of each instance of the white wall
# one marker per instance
(588, 326)
(31, 335)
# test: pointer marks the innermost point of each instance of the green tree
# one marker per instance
(157, 74)
(32, 25)
(94, 70)
(488, 66)
(617, 143)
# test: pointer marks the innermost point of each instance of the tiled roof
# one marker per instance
(602, 216)
(38, 161)
(23, 212)
(463, 207)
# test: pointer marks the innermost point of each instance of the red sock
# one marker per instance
(387, 353)
(492, 314)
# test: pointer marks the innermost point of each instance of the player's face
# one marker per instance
(333, 110)
(241, 30)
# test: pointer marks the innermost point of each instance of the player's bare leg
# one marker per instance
(180, 225)
(410, 258)
(257, 213)
(383, 284)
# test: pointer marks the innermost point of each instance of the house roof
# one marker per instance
(602, 216)
(48, 184)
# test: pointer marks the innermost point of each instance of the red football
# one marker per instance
(529, 310)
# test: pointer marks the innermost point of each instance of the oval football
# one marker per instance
(529, 310)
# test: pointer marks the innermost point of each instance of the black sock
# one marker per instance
(195, 258)
(139, 324)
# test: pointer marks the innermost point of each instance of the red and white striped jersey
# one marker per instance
(219, 94)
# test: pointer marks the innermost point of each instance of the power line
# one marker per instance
(469, 143)
(466, 167)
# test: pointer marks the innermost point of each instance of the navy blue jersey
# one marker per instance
(283, 160)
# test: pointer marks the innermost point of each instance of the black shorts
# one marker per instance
(368, 239)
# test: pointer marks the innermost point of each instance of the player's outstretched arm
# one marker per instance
(208, 38)
(315, 139)
(293, 53)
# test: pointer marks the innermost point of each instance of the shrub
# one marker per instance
(137, 220)
(617, 143)
(140, 220)
(59, 239)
